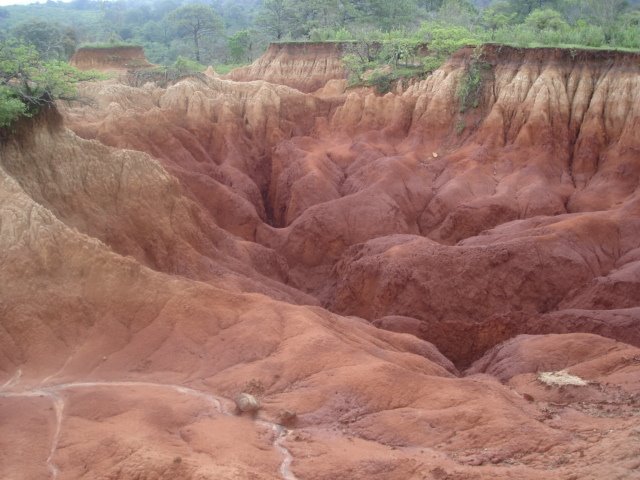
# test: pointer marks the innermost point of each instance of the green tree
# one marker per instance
(605, 13)
(430, 5)
(546, 19)
(240, 44)
(442, 39)
(497, 16)
(275, 17)
(524, 7)
(27, 83)
(156, 31)
(458, 12)
(390, 15)
(572, 10)
(50, 40)
(196, 21)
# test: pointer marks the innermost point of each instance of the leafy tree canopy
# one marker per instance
(546, 19)
(195, 21)
(215, 31)
(27, 83)
(51, 40)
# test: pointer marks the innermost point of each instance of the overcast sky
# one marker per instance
(17, 2)
(4, 3)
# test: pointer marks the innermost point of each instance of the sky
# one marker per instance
(4, 3)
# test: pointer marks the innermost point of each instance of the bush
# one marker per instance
(546, 19)
(443, 40)
(11, 107)
(381, 81)
(28, 83)
(470, 86)
(186, 66)
(431, 64)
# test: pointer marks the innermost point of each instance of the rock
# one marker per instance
(246, 402)
(287, 418)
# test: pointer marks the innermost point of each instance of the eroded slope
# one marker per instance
(172, 259)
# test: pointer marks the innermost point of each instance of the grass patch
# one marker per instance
(225, 68)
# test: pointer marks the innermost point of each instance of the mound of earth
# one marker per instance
(307, 67)
(403, 297)
(110, 58)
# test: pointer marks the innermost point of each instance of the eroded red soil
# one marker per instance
(163, 250)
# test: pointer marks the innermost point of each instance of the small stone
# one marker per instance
(287, 417)
(247, 403)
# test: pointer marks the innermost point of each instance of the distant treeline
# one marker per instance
(236, 31)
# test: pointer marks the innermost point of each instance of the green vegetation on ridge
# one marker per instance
(385, 40)
(236, 31)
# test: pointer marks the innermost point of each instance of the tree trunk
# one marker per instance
(197, 45)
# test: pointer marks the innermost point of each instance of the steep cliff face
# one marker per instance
(171, 251)
(304, 66)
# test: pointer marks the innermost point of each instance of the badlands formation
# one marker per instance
(408, 290)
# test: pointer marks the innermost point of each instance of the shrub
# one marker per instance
(546, 19)
(11, 107)
(443, 40)
(186, 66)
(470, 86)
(27, 83)
(381, 81)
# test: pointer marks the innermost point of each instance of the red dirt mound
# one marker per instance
(304, 66)
(112, 58)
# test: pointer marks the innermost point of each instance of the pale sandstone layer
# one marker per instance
(143, 289)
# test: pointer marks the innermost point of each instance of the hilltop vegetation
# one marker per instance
(384, 38)
(231, 31)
